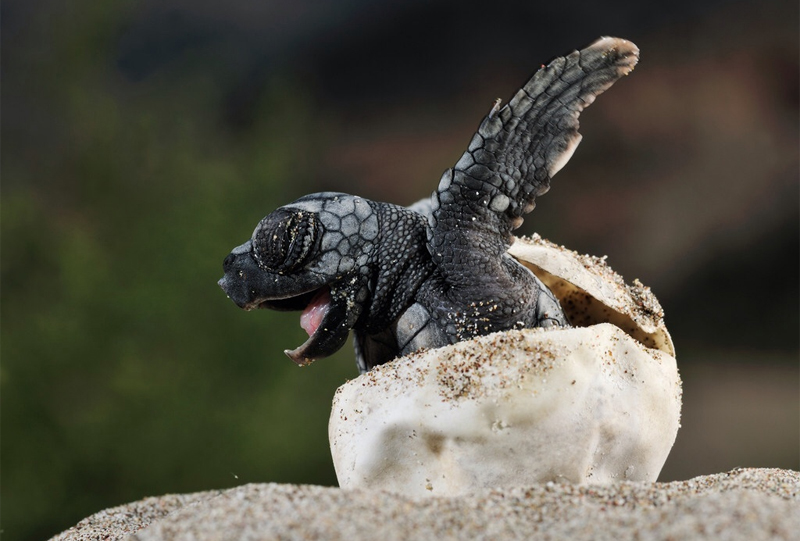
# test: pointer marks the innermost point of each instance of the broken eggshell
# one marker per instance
(595, 403)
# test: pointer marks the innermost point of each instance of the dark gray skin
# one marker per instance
(437, 272)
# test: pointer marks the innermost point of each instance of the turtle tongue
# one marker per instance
(327, 320)
(315, 311)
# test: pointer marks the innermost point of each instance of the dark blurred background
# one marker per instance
(143, 140)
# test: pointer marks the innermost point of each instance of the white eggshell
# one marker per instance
(584, 405)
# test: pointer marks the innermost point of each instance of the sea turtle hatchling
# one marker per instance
(437, 272)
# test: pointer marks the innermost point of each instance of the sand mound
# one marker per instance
(742, 504)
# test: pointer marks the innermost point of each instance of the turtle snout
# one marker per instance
(234, 280)
(244, 282)
(227, 268)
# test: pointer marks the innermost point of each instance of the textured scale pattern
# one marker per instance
(437, 272)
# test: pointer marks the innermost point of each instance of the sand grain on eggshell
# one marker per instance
(464, 370)
(744, 504)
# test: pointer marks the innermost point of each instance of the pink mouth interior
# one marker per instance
(312, 316)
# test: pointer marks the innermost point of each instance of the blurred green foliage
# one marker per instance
(125, 371)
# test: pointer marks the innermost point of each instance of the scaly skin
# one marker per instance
(437, 272)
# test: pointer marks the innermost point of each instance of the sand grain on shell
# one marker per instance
(483, 367)
(742, 504)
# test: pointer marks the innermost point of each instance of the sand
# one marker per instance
(742, 504)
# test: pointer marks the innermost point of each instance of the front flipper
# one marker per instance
(413, 330)
(510, 161)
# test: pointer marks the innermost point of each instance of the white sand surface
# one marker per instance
(746, 504)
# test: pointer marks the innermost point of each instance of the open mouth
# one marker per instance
(315, 305)
(315, 311)
(328, 310)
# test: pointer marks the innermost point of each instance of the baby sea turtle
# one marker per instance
(437, 272)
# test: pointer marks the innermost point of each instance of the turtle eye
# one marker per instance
(284, 239)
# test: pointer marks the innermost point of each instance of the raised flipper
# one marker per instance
(510, 161)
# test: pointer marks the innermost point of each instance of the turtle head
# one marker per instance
(312, 255)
